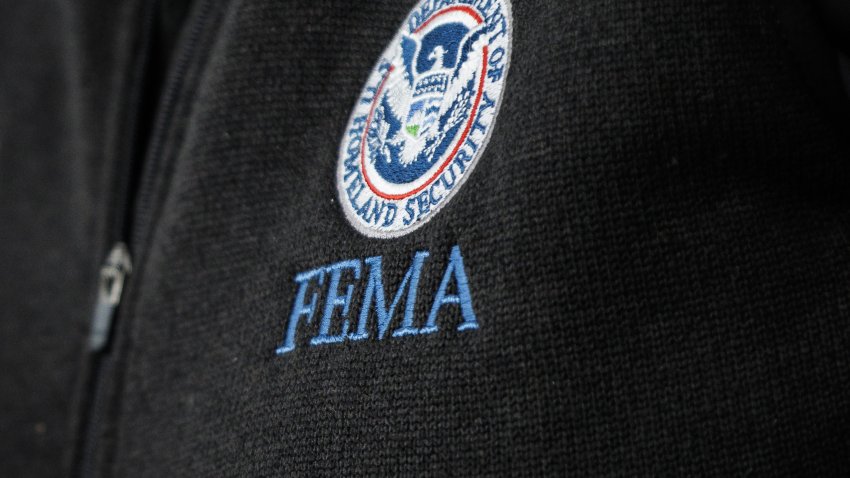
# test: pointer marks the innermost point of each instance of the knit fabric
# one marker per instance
(656, 242)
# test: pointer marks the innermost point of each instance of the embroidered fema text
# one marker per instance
(339, 324)
(425, 115)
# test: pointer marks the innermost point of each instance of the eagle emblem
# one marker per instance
(425, 115)
(427, 97)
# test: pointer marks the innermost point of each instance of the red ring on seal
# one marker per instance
(463, 136)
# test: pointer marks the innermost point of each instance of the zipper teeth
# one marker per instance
(122, 191)
(85, 421)
(145, 200)
(142, 209)
(136, 217)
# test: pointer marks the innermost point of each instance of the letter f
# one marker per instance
(300, 309)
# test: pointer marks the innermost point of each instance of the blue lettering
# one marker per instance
(354, 189)
(338, 303)
(448, 184)
(424, 203)
(463, 296)
(392, 211)
(334, 301)
(300, 309)
(410, 213)
(375, 293)
(461, 159)
(365, 209)
(497, 67)
(435, 199)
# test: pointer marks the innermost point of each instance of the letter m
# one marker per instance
(375, 297)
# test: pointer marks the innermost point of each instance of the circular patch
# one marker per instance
(425, 115)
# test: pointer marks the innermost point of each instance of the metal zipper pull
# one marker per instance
(112, 276)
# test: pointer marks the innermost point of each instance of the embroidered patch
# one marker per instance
(425, 115)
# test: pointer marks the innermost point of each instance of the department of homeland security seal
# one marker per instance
(425, 115)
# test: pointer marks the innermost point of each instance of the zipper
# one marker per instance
(149, 187)
(86, 423)
(113, 274)
(134, 200)
(111, 284)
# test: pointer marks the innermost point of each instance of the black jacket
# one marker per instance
(655, 246)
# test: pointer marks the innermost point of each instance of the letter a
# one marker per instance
(463, 297)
